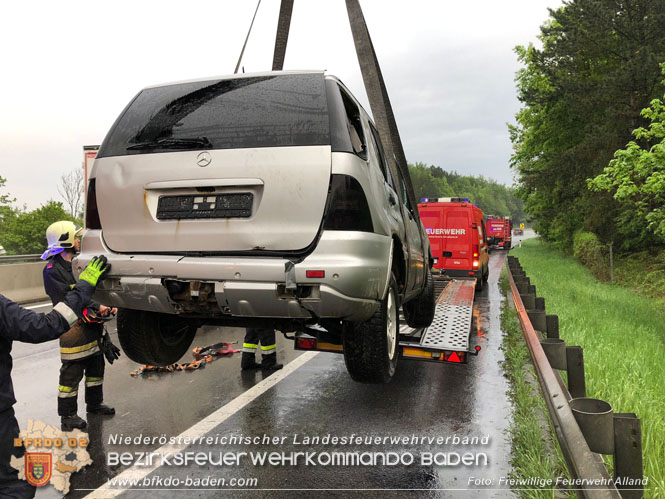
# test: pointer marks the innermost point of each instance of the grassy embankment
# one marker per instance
(643, 272)
(536, 453)
(623, 337)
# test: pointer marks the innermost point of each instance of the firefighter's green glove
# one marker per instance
(95, 270)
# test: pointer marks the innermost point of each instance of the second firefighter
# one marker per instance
(81, 346)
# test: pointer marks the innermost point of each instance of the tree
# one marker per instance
(71, 190)
(5, 199)
(492, 197)
(7, 212)
(582, 94)
(25, 233)
(636, 178)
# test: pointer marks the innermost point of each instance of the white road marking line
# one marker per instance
(206, 425)
(39, 305)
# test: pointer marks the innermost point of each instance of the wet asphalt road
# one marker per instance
(317, 399)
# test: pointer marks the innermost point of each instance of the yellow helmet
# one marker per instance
(60, 236)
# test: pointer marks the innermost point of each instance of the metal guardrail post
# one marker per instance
(537, 318)
(552, 326)
(575, 370)
(628, 454)
(596, 420)
(555, 351)
(529, 301)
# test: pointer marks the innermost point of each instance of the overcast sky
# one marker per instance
(69, 68)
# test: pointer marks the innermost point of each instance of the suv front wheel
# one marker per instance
(371, 348)
(152, 338)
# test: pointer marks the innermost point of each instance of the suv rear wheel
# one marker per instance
(152, 338)
(419, 312)
(370, 348)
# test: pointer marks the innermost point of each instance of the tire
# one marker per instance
(480, 284)
(419, 312)
(486, 276)
(152, 338)
(371, 348)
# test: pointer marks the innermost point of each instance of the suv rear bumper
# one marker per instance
(356, 265)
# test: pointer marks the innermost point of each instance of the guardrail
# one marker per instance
(585, 427)
(19, 258)
(21, 278)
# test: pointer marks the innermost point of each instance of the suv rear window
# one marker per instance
(265, 111)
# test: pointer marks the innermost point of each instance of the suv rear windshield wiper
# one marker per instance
(173, 143)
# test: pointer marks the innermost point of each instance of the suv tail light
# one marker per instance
(347, 206)
(91, 214)
(476, 253)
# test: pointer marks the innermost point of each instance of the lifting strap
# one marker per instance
(282, 36)
(379, 101)
(374, 86)
(203, 356)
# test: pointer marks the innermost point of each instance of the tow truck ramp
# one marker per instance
(447, 340)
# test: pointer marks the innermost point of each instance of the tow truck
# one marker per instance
(446, 340)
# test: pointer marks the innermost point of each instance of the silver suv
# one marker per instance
(255, 200)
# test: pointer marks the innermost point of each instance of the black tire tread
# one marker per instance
(419, 312)
(365, 346)
(137, 332)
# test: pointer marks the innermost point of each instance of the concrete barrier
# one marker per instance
(22, 282)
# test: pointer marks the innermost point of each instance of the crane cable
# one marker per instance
(247, 38)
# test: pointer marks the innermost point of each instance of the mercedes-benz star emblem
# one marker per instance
(203, 158)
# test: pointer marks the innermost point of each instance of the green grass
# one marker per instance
(535, 451)
(643, 272)
(623, 337)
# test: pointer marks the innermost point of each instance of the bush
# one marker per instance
(592, 254)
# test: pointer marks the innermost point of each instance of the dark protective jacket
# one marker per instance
(19, 324)
(80, 341)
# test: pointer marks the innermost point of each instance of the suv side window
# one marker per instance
(354, 125)
(383, 164)
(402, 193)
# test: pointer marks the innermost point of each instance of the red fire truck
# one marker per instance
(499, 232)
(456, 233)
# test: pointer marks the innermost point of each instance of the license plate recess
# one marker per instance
(194, 206)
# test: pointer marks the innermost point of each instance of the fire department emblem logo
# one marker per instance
(38, 468)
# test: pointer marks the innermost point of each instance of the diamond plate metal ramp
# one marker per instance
(452, 320)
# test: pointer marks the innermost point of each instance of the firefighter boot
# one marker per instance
(248, 361)
(69, 423)
(269, 362)
(101, 409)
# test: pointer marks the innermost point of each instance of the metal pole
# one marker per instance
(628, 455)
(575, 369)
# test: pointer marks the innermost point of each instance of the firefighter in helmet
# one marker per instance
(83, 346)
